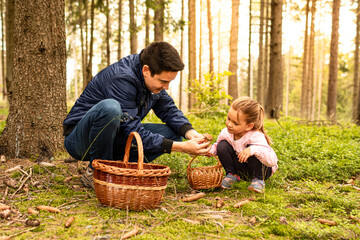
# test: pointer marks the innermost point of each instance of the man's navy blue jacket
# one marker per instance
(124, 82)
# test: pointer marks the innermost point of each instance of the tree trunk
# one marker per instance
(159, 20)
(234, 36)
(133, 30)
(200, 39)
(248, 92)
(211, 50)
(275, 95)
(333, 64)
(38, 108)
(3, 51)
(147, 24)
(9, 35)
(305, 76)
(266, 53)
(86, 78)
(356, 94)
(312, 85)
(119, 30)
(181, 55)
(89, 61)
(260, 80)
(192, 49)
(108, 35)
(83, 54)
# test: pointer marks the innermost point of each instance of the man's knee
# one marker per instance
(110, 107)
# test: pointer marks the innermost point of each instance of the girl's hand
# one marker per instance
(244, 155)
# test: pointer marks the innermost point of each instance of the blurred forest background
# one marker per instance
(299, 58)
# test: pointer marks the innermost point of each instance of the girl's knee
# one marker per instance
(223, 146)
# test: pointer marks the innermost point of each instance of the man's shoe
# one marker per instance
(87, 179)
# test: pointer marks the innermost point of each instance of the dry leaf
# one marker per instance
(48, 208)
(131, 233)
(10, 182)
(252, 220)
(5, 214)
(283, 220)
(4, 206)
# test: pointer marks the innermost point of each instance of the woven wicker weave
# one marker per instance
(205, 177)
(133, 186)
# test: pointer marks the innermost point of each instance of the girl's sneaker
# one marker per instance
(229, 180)
(257, 185)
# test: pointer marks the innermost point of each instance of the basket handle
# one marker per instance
(140, 150)
(219, 163)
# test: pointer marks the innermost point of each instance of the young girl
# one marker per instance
(244, 148)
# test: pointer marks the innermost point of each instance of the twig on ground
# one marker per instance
(22, 184)
(5, 193)
(213, 236)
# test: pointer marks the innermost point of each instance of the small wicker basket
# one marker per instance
(133, 186)
(205, 177)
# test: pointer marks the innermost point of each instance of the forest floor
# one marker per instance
(315, 194)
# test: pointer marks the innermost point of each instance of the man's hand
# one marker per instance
(244, 155)
(195, 146)
(192, 133)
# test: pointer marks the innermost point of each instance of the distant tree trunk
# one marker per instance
(200, 39)
(248, 92)
(38, 107)
(86, 47)
(211, 50)
(159, 20)
(356, 94)
(321, 70)
(260, 80)
(234, 36)
(83, 54)
(312, 85)
(119, 53)
(305, 74)
(333, 64)
(181, 55)
(3, 51)
(9, 45)
(133, 30)
(108, 35)
(89, 61)
(275, 95)
(147, 24)
(266, 53)
(192, 49)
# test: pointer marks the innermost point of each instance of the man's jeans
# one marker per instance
(98, 135)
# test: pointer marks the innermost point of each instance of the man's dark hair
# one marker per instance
(161, 56)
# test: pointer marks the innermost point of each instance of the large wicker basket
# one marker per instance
(205, 177)
(133, 186)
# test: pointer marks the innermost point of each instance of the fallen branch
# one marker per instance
(243, 202)
(5, 193)
(193, 197)
(13, 169)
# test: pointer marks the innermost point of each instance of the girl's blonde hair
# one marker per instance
(254, 113)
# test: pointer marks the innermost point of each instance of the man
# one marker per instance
(116, 101)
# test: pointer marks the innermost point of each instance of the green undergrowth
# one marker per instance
(318, 178)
